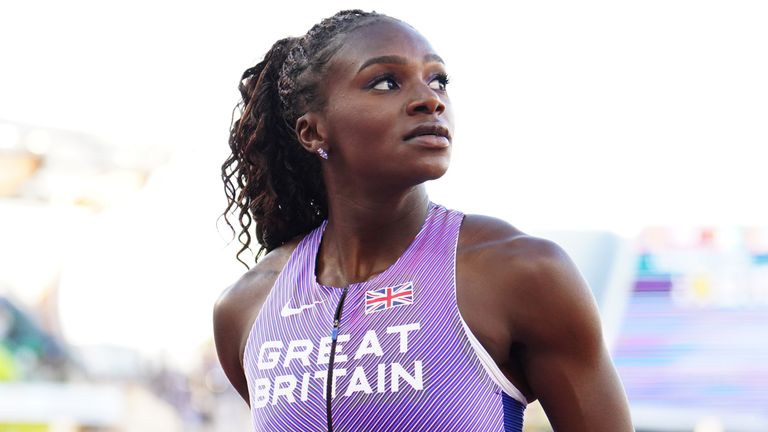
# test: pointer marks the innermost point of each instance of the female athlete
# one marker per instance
(373, 308)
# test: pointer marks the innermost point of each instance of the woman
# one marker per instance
(373, 308)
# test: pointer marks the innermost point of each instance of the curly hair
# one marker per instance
(270, 181)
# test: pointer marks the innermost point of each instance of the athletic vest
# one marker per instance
(405, 359)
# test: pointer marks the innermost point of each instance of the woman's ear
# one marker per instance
(311, 132)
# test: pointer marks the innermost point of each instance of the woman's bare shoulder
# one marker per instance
(256, 283)
(493, 240)
(237, 308)
(535, 298)
(526, 274)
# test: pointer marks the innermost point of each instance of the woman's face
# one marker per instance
(387, 118)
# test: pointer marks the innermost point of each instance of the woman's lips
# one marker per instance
(430, 141)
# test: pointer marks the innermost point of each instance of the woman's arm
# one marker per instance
(230, 319)
(236, 310)
(565, 361)
(534, 313)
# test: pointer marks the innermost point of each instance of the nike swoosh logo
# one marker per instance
(287, 310)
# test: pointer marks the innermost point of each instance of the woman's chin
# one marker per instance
(432, 171)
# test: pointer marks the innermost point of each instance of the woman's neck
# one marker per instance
(365, 235)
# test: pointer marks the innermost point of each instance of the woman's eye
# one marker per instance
(440, 82)
(385, 84)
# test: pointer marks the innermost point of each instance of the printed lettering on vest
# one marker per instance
(292, 388)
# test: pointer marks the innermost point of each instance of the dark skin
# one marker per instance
(521, 296)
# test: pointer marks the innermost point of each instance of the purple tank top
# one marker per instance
(404, 360)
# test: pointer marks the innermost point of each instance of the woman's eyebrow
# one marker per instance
(394, 59)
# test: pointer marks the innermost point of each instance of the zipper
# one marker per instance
(334, 336)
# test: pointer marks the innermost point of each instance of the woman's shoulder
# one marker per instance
(258, 280)
(537, 313)
(526, 274)
(237, 308)
(495, 240)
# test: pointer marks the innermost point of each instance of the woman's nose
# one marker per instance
(426, 102)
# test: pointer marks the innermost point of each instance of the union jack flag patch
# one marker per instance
(380, 299)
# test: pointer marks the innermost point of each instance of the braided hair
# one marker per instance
(269, 179)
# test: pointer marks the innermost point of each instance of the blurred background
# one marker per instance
(632, 133)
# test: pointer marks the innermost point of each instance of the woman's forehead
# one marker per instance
(386, 37)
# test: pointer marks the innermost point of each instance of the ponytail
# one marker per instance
(270, 181)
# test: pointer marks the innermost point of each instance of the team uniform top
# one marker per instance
(405, 359)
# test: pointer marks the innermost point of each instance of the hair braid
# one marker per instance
(269, 179)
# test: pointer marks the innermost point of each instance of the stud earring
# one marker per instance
(323, 154)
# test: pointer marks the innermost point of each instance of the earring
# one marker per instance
(323, 154)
